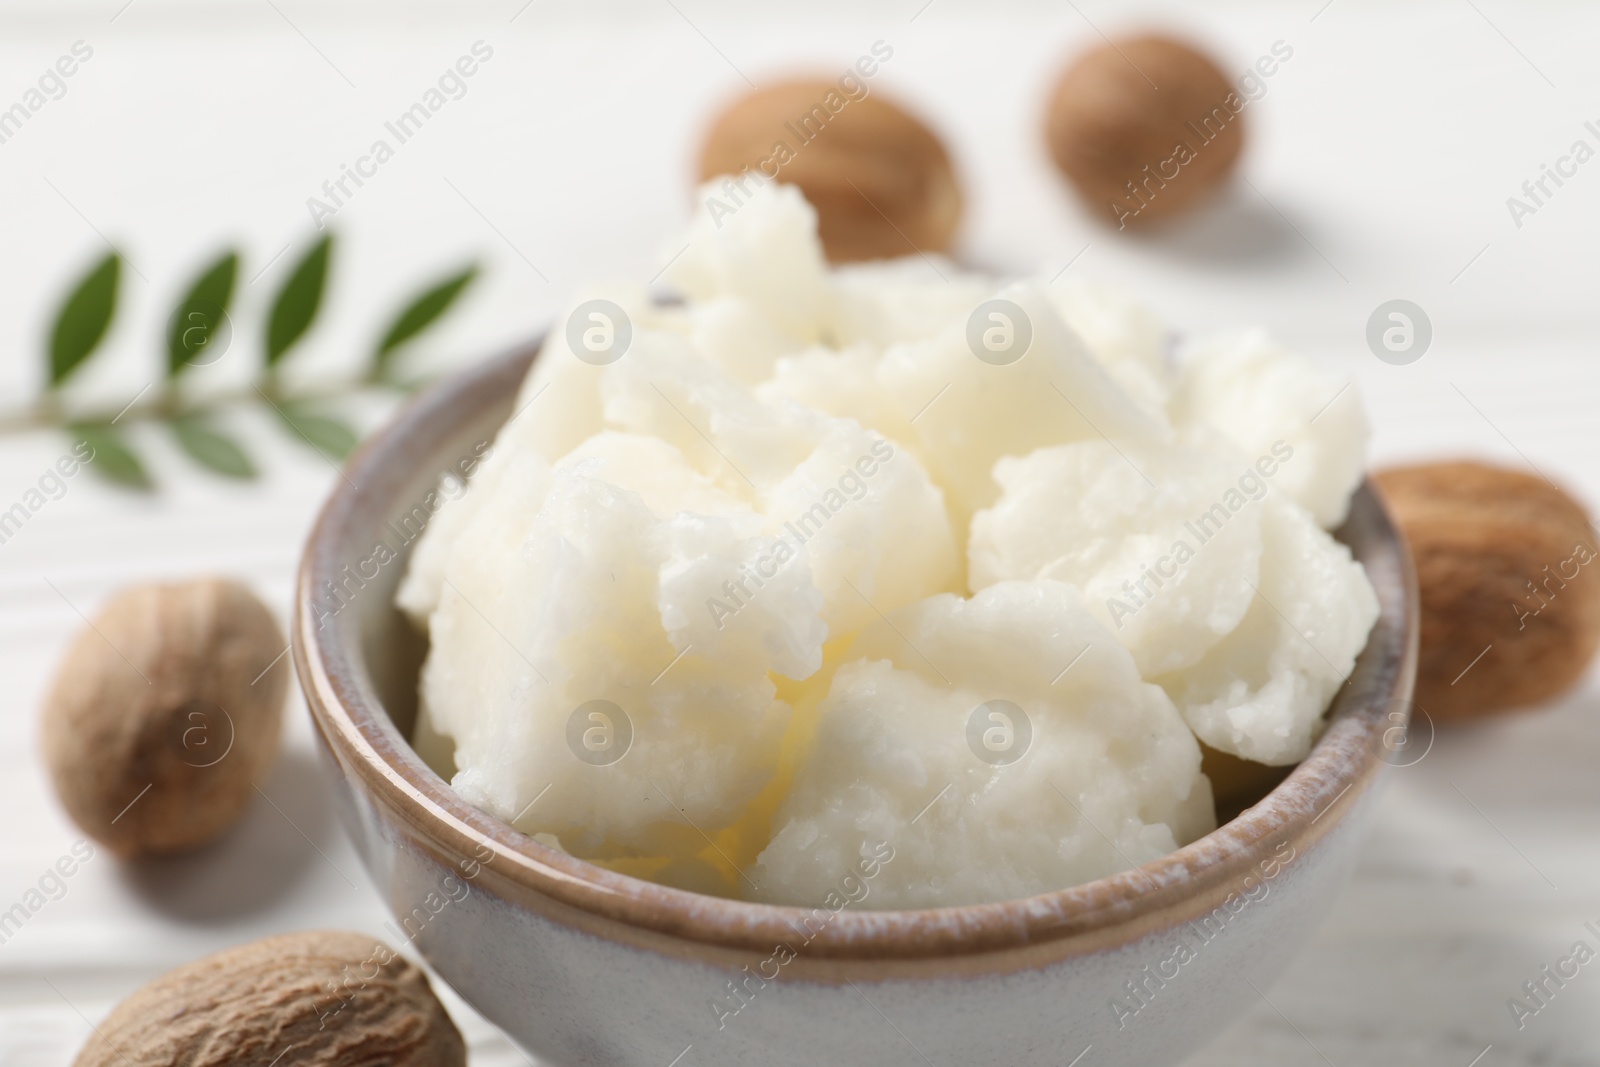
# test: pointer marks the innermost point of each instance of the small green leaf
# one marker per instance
(196, 335)
(330, 436)
(418, 315)
(83, 319)
(211, 448)
(109, 457)
(295, 307)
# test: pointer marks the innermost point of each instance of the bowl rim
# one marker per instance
(1180, 886)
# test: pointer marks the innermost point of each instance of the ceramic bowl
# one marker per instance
(586, 966)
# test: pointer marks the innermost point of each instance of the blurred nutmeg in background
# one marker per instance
(166, 712)
(1145, 127)
(880, 180)
(1506, 570)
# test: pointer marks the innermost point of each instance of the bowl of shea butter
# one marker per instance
(879, 664)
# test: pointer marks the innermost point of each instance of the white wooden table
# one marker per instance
(1381, 160)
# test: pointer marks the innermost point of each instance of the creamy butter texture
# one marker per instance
(817, 565)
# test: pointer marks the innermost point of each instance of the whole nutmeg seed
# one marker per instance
(1510, 600)
(1145, 128)
(165, 714)
(879, 179)
(335, 999)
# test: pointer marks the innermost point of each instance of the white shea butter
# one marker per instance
(1256, 392)
(1084, 767)
(1137, 532)
(895, 559)
(1259, 693)
(969, 412)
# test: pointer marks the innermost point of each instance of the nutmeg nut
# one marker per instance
(333, 998)
(1510, 600)
(880, 181)
(165, 714)
(1145, 128)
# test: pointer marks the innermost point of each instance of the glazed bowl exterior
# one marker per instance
(582, 965)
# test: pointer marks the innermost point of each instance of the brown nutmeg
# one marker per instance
(333, 998)
(879, 179)
(1506, 569)
(1237, 783)
(165, 714)
(1145, 128)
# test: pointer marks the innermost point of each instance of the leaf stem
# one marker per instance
(48, 412)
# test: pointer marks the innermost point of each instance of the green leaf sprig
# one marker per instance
(418, 315)
(201, 317)
(198, 333)
(84, 318)
(298, 301)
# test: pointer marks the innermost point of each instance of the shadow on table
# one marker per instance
(1237, 229)
(255, 863)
